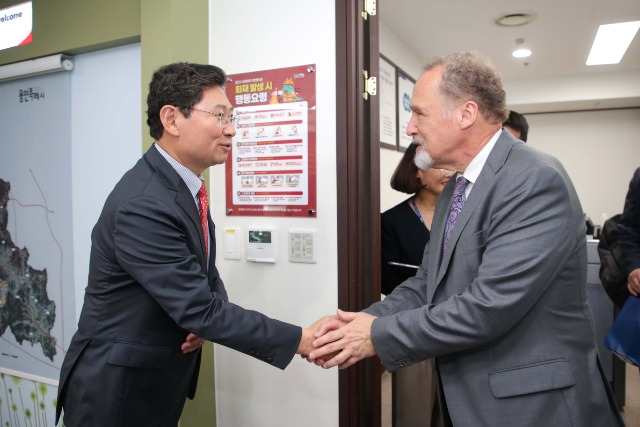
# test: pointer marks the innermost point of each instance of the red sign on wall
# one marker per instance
(271, 170)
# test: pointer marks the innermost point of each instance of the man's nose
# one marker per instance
(412, 129)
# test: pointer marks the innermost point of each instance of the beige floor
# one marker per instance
(631, 412)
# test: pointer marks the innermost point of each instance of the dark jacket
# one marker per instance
(149, 286)
(403, 238)
(630, 226)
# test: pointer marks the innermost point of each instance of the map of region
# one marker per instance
(24, 305)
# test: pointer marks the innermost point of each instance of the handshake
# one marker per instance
(341, 340)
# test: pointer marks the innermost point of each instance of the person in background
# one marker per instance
(629, 227)
(500, 296)
(517, 125)
(154, 293)
(405, 233)
(405, 227)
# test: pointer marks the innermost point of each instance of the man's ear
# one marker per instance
(170, 118)
(469, 114)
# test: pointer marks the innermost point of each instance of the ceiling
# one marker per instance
(560, 36)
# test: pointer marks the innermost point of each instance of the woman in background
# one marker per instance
(405, 232)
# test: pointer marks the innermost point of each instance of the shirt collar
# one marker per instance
(472, 172)
(192, 180)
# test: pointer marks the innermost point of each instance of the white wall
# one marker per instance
(599, 149)
(250, 36)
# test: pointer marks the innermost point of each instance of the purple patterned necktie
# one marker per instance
(457, 202)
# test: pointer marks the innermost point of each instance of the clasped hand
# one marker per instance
(341, 340)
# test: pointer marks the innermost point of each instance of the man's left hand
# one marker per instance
(633, 283)
(352, 342)
(192, 343)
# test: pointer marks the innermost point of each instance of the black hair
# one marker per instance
(405, 178)
(518, 122)
(182, 85)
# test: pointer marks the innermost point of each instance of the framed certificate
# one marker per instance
(405, 89)
(388, 104)
(394, 89)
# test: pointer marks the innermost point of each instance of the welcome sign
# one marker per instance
(16, 24)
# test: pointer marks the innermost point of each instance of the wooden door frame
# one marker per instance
(358, 193)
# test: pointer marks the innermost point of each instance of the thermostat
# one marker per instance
(261, 245)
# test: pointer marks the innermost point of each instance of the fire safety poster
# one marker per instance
(271, 169)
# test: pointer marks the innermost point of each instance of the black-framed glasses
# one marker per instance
(223, 118)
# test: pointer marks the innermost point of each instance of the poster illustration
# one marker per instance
(271, 170)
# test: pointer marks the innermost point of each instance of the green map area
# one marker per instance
(24, 305)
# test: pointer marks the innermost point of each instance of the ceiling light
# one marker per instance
(611, 42)
(515, 19)
(521, 53)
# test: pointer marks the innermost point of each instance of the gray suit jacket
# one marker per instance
(505, 312)
(149, 286)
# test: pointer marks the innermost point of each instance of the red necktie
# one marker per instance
(204, 208)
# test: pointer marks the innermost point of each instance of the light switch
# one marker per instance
(232, 243)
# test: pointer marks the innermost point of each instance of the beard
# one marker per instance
(422, 159)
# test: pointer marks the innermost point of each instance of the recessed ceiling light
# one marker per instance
(515, 19)
(521, 53)
(611, 42)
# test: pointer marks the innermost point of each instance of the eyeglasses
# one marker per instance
(223, 119)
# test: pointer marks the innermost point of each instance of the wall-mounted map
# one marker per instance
(25, 308)
(37, 304)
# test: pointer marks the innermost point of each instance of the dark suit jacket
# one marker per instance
(504, 308)
(629, 226)
(403, 238)
(148, 288)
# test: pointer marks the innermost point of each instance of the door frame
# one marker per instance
(358, 194)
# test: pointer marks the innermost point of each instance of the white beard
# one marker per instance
(422, 159)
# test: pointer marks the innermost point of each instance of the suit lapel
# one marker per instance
(184, 199)
(212, 243)
(488, 175)
(437, 235)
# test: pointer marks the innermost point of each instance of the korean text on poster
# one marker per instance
(271, 170)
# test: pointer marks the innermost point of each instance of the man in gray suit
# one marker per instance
(500, 299)
(154, 293)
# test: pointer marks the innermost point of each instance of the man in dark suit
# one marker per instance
(500, 297)
(154, 293)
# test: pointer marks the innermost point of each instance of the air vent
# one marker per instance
(515, 19)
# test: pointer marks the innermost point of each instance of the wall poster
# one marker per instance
(37, 318)
(388, 104)
(396, 88)
(271, 170)
(405, 89)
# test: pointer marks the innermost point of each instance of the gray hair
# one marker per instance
(469, 76)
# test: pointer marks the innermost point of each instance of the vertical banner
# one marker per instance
(405, 89)
(271, 170)
(37, 315)
(388, 104)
